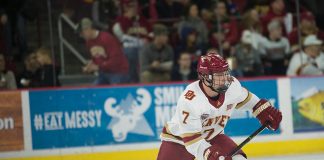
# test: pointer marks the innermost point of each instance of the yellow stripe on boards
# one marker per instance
(256, 149)
(284, 147)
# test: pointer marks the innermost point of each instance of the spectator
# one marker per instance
(277, 12)
(107, 55)
(7, 78)
(275, 49)
(233, 7)
(224, 32)
(77, 9)
(201, 4)
(232, 62)
(206, 16)
(310, 61)
(48, 71)
(251, 24)
(184, 71)
(193, 20)
(251, 21)
(5, 33)
(190, 44)
(30, 77)
(156, 58)
(307, 27)
(104, 13)
(238, 4)
(261, 6)
(248, 58)
(133, 31)
(131, 27)
(68, 8)
(17, 13)
(169, 9)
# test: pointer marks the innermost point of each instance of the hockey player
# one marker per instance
(196, 131)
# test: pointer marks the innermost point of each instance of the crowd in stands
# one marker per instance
(144, 41)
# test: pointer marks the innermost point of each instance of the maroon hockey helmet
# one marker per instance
(214, 70)
(211, 63)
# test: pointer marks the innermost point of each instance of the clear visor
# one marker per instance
(220, 81)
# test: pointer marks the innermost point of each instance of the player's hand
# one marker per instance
(266, 113)
(215, 152)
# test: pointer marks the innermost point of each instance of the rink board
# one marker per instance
(258, 149)
(74, 123)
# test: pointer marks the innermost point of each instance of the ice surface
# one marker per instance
(294, 157)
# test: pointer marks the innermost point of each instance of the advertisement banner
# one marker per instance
(242, 123)
(307, 97)
(87, 117)
(119, 115)
(11, 124)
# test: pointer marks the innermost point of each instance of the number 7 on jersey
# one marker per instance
(186, 115)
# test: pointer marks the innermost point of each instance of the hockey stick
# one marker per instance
(247, 140)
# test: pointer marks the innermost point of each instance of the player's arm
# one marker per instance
(247, 100)
(261, 109)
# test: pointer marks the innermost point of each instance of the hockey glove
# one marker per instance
(266, 113)
(215, 152)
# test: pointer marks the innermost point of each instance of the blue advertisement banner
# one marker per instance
(307, 98)
(87, 117)
(119, 115)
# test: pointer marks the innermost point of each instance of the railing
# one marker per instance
(64, 43)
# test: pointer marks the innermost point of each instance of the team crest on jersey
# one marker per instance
(127, 116)
(229, 107)
(190, 95)
(204, 116)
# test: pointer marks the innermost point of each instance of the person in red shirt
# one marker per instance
(133, 31)
(131, 23)
(277, 12)
(224, 32)
(107, 55)
(307, 27)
